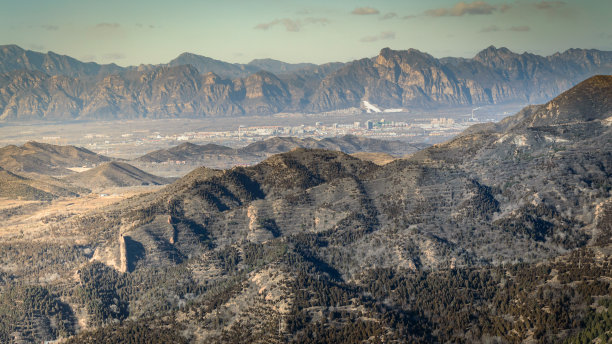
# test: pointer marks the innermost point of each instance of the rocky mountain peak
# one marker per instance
(492, 51)
(411, 57)
(205, 65)
(10, 49)
(589, 100)
(494, 57)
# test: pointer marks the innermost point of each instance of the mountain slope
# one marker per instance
(43, 158)
(14, 186)
(581, 114)
(114, 174)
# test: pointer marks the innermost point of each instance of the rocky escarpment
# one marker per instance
(49, 86)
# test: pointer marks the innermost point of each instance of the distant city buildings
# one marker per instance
(425, 129)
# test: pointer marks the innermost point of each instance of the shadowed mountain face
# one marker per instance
(504, 223)
(49, 86)
(114, 174)
(43, 158)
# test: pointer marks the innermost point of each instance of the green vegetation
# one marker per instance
(33, 313)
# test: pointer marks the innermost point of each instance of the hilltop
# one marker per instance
(114, 174)
(43, 158)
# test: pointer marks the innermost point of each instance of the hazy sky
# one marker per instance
(153, 31)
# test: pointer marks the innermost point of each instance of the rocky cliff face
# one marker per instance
(50, 86)
(412, 79)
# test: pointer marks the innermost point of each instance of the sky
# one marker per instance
(318, 31)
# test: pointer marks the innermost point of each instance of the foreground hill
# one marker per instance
(43, 158)
(114, 174)
(500, 235)
(36, 86)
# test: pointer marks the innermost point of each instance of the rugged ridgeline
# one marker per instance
(49, 86)
(500, 235)
(348, 144)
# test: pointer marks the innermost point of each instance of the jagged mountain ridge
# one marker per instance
(13, 58)
(393, 79)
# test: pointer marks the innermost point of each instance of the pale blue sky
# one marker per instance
(152, 31)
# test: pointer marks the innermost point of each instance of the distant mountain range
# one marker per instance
(37, 86)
